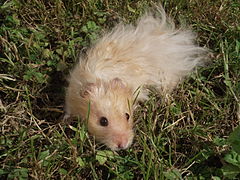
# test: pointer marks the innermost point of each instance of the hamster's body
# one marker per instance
(129, 58)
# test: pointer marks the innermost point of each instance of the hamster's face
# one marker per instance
(111, 124)
(110, 119)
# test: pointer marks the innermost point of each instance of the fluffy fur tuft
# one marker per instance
(152, 53)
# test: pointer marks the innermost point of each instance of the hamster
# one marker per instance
(130, 58)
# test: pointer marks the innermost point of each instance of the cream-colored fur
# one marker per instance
(128, 58)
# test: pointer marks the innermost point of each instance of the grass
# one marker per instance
(195, 135)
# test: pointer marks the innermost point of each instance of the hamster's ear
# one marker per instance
(89, 88)
(117, 83)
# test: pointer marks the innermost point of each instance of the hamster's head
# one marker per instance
(110, 113)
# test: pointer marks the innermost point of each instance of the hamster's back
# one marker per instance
(151, 53)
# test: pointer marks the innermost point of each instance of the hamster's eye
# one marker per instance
(127, 116)
(103, 121)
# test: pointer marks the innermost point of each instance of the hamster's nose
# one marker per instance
(122, 143)
(120, 146)
(122, 140)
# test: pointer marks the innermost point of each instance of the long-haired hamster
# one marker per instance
(131, 57)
